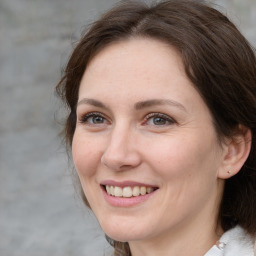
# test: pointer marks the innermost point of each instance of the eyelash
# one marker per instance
(169, 120)
(84, 118)
(159, 115)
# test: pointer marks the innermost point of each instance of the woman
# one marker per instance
(162, 129)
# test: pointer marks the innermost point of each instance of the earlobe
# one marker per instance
(236, 152)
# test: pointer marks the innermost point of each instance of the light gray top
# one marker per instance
(234, 242)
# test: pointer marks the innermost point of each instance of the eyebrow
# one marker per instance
(92, 102)
(138, 106)
(155, 102)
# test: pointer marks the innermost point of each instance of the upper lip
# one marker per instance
(127, 183)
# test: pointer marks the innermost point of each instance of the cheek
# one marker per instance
(182, 156)
(86, 155)
(188, 173)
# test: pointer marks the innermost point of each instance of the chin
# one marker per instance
(122, 236)
(122, 231)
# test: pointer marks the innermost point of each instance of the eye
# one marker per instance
(158, 119)
(93, 119)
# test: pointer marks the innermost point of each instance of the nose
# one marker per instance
(121, 152)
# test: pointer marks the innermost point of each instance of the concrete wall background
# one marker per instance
(40, 213)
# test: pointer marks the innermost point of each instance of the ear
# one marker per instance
(236, 151)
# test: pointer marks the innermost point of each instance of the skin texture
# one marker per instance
(122, 141)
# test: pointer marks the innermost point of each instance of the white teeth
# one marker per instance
(143, 191)
(118, 191)
(112, 190)
(136, 191)
(108, 189)
(149, 190)
(128, 191)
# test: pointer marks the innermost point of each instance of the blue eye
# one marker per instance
(158, 119)
(96, 120)
(93, 118)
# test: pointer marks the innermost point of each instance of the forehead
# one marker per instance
(146, 47)
(133, 63)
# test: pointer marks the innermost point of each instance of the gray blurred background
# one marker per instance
(41, 214)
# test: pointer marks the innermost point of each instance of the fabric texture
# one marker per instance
(234, 242)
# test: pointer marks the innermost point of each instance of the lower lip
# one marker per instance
(126, 201)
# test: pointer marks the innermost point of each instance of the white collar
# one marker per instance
(234, 242)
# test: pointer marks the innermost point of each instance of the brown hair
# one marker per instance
(217, 59)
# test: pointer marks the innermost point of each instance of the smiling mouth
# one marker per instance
(128, 191)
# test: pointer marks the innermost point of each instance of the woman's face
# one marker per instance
(145, 135)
